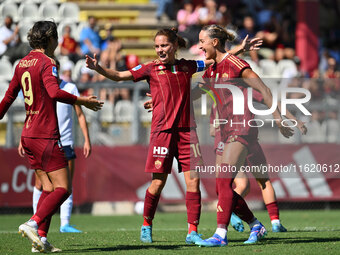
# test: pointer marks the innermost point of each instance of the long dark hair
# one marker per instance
(172, 36)
(38, 36)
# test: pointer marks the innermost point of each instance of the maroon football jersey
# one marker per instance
(229, 71)
(170, 89)
(36, 74)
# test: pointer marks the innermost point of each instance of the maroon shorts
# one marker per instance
(44, 154)
(165, 145)
(255, 155)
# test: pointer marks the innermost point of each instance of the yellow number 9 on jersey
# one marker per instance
(27, 89)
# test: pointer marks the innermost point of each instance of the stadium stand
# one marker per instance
(26, 10)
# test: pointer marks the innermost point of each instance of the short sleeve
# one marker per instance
(239, 65)
(141, 72)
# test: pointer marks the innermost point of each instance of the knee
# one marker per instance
(156, 186)
(193, 185)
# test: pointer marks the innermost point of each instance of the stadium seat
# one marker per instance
(124, 111)
(269, 68)
(9, 8)
(69, 12)
(285, 64)
(107, 112)
(3, 87)
(121, 16)
(5, 70)
(254, 67)
(28, 12)
(49, 10)
(77, 68)
(24, 27)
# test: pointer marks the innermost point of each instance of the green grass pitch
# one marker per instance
(310, 232)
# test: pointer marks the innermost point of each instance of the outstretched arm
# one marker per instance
(92, 63)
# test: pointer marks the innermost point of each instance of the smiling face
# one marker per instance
(207, 45)
(165, 49)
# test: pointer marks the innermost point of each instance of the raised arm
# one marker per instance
(92, 63)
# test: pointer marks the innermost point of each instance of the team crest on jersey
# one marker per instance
(161, 72)
(54, 71)
(158, 164)
(225, 77)
(137, 68)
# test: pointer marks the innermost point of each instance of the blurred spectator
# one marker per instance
(10, 43)
(167, 7)
(90, 41)
(188, 22)
(249, 29)
(110, 49)
(66, 71)
(69, 46)
(209, 14)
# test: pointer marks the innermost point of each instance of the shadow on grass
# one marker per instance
(126, 248)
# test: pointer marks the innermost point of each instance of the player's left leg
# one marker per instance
(152, 196)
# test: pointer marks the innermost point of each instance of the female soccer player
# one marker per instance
(36, 75)
(65, 124)
(238, 141)
(173, 132)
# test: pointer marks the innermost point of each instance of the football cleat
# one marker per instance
(32, 234)
(214, 241)
(277, 227)
(146, 234)
(236, 223)
(193, 237)
(69, 229)
(48, 248)
(256, 234)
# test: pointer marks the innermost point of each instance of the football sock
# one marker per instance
(150, 206)
(192, 227)
(225, 200)
(221, 231)
(50, 204)
(36, 196)
(44, 226)
(241, 208)
(66, 210)
(273, 211)
(43, 239)
(253, 223)
(275, 222)
(193, 204)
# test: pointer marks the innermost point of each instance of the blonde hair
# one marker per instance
(218, 32)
